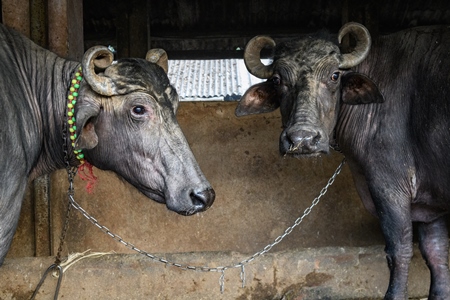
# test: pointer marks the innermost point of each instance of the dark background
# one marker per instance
(220, 29)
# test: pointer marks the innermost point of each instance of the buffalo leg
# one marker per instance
(398, 255)
(10, 204)
(433, 243)
(396, 225)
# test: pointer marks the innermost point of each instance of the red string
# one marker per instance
(86, 174)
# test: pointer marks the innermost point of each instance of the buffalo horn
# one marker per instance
(159, 57)
(363, 43)
(100, 58)
(252, 56)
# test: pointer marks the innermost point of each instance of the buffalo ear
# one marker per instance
(87, 137)
(359, 89)
(259, 98)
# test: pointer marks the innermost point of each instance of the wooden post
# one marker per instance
(16, 14)
(65, 26)
(133, 29)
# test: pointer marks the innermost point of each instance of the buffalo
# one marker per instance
(117, 116)
(386, 104)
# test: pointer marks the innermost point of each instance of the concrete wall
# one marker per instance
(259, 194)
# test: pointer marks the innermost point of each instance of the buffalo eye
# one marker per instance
(335, 76)
(138, 110)
(276, 79)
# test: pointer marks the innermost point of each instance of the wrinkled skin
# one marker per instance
(142, 122)
(133, 132)
(390, 117)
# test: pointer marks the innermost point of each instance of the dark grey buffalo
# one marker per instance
(387, 105)
(125, 116)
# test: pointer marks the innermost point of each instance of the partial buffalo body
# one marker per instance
(126, 123)
(386, 104)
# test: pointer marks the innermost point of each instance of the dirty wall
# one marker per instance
(259, 194)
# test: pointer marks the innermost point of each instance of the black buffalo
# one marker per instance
(125, 117)
(386, 104)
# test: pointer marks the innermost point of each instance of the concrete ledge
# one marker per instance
(319, 273)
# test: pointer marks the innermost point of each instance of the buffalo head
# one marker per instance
(308, 80)
(126, 116)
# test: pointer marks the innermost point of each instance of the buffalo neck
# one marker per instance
(41, 82)
(52, 98)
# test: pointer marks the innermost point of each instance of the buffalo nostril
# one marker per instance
(316, 139)
(203, 200)
(302, 140)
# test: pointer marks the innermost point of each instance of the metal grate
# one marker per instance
(210, 80)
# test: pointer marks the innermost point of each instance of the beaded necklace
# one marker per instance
(72, 100)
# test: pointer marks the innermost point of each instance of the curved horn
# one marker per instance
(363, 43)
(98, 57)
(159, 57)
(252, 56)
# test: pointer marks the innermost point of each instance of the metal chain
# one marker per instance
(71, 173)
(70, 194)
(220, 269)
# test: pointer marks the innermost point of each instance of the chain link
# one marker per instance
(220, 269)
(71, 172)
